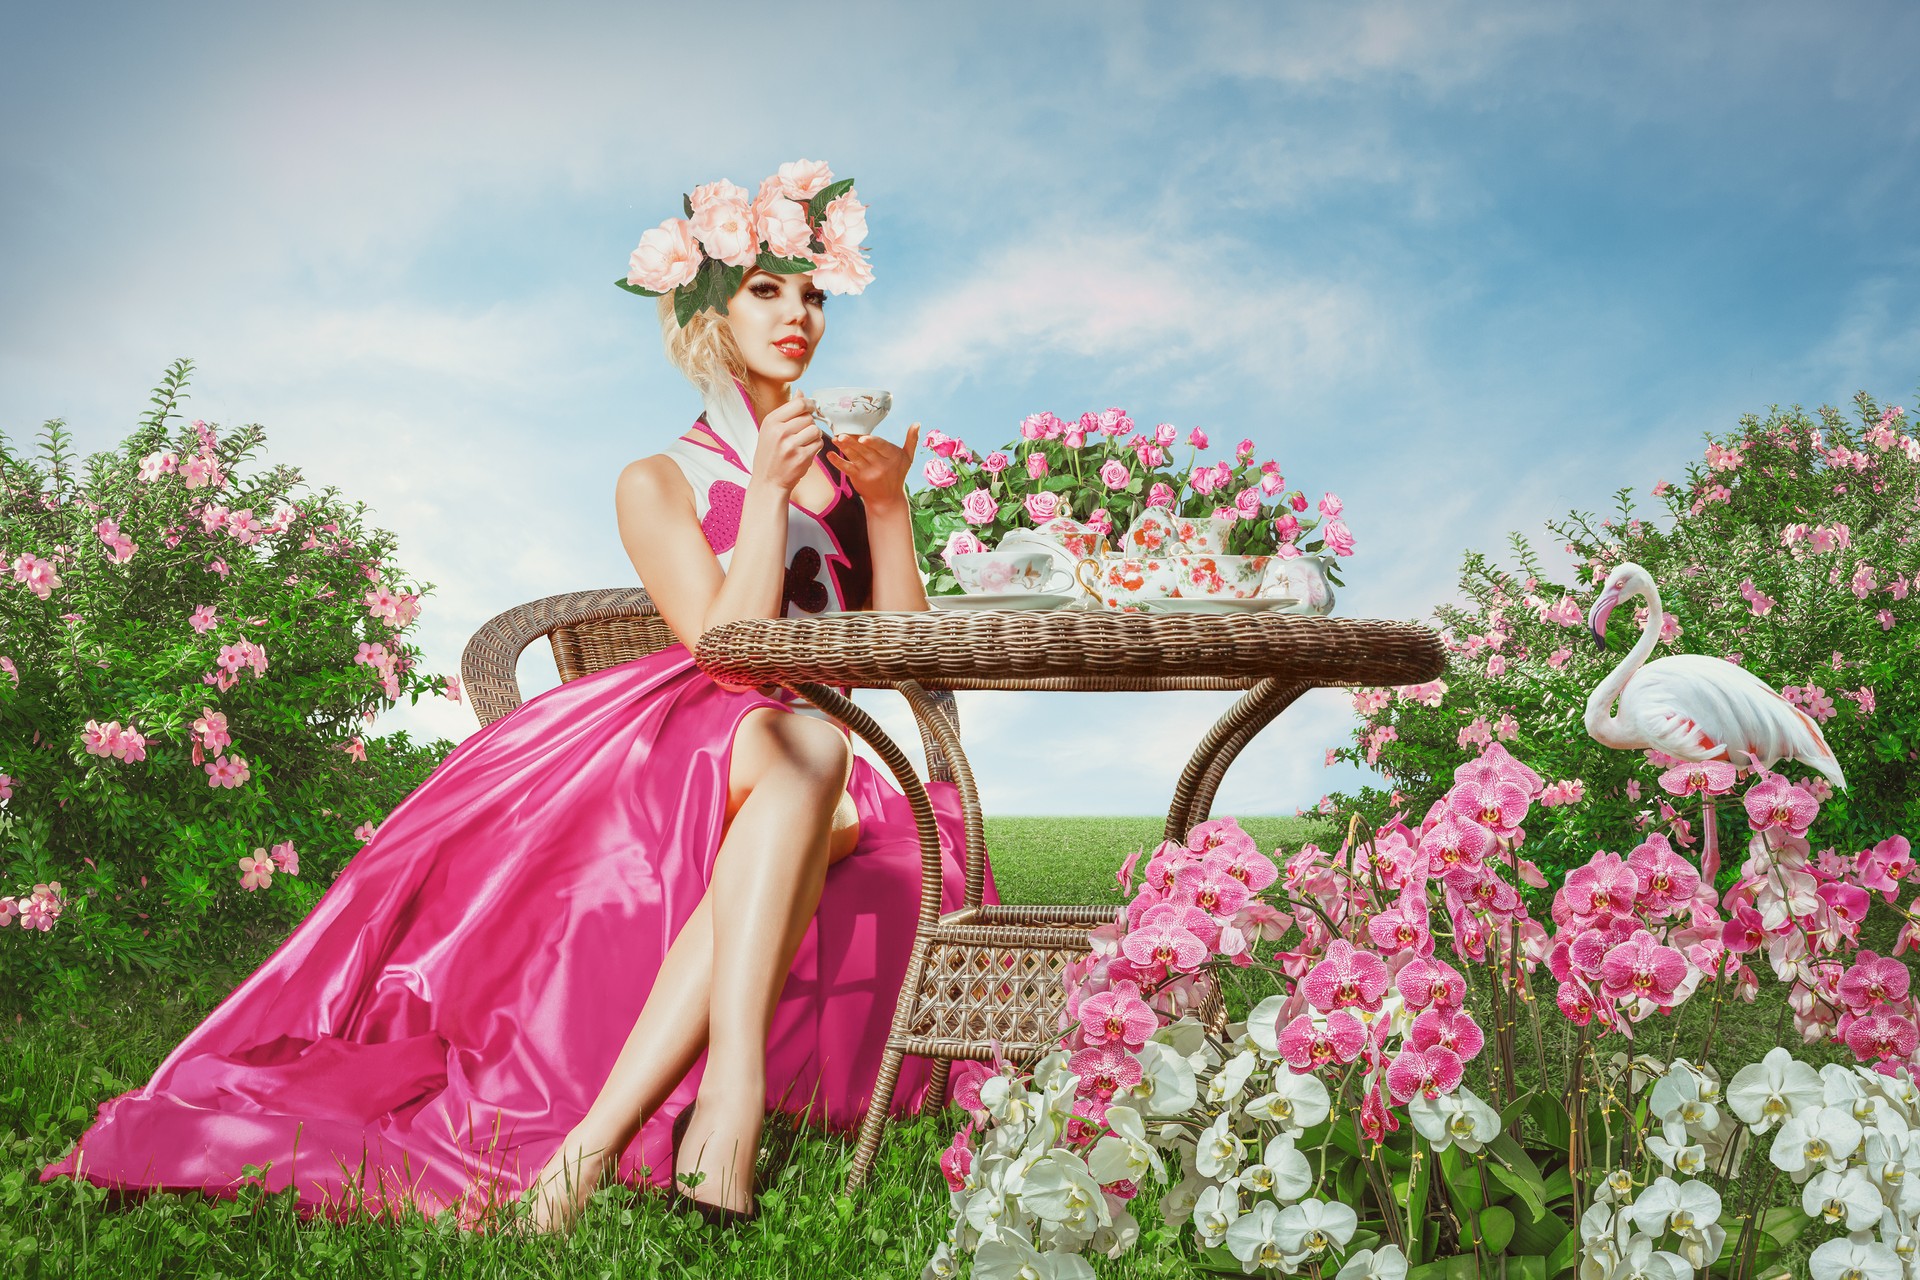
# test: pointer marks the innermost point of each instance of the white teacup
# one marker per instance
(989, 573)
(853, 411)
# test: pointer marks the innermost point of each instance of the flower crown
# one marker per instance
(802, 220)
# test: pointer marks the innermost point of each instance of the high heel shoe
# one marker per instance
(717, 1215)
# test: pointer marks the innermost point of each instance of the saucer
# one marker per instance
(1003, 600)
(1217, 604)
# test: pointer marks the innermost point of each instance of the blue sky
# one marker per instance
(1466, 265)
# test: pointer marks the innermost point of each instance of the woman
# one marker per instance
(610, 903)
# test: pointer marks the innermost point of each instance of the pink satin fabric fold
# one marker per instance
(456, 999)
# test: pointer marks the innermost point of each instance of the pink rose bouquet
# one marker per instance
(1104, 471)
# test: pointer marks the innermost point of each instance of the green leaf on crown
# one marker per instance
(686, 299)
(726, 280)
(817, 207)
(770, 261)
(634, 288)
(686, 202)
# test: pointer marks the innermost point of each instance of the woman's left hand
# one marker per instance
(876, 468)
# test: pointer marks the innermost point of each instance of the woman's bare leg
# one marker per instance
(673, 1025)
(774, 863)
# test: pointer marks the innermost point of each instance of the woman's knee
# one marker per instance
(771, 743)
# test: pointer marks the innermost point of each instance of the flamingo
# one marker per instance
(1693, 707)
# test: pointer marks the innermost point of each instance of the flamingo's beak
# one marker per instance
(1601, 611)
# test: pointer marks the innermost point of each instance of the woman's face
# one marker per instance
(777, 323)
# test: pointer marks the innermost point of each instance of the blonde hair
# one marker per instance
(704, 350)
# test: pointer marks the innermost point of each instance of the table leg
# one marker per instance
(1193, 797)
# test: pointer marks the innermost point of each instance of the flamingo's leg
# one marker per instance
(1710, 832)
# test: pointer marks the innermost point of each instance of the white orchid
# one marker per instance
(1168, 1085)
(1215, 1211)
(1308, 1229)
(1847, 1260)
(1118, 1236)
(1893, 1162)
(1816, 1138)
(1668, 1205)
(1060, 1190)
(1224, 1088)
(942, 1265)
(1767, 1092)
(1298, 1100)
(1683, 1104)
(1125, 1153)
(1263, 1025)
(1254, 1238)
(1385, 1263)
(1219, 1149)
(1455, 1119)
(1689, 1160)
(1182, 1200)
(1012, 1256)
(1848, 1197)
(1292, 1174)
(1644, 1262)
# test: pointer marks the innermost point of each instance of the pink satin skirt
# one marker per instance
(457, 998)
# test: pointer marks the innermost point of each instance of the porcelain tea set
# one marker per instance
(1164, 564)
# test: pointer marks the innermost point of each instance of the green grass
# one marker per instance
(55, 1070)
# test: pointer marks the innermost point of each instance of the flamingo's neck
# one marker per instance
(1602, 725)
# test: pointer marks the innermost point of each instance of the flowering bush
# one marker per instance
(1792, 548)
(1101, 471)
(1334, 1132)
(185, 656)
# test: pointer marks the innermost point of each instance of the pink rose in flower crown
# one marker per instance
(803, 179)
(725, 229)
(1114, 474)
(1042, 507)
(667, 258)
(979, 507)
(783, 225)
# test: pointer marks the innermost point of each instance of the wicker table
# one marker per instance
(992, 973)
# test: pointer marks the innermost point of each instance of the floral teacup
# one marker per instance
(1080, 540)
(1121, 582)
(852, 410)
(1002, 572)
(1150, 534)
(1221, 577)
(1202, 535)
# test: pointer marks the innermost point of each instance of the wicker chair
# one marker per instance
(591, 631)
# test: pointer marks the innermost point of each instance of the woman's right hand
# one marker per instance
(789, 442)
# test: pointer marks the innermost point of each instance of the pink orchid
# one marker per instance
(1497, 804)
(1429, 981)
(1883, 867)
(1209, 886)
(1773, 802)
(956, 1160)
(1164, 938)
(1883, 1035)
(1118, 1015)
(1456, 841)
(1346, 978)
(1641, 968)
(1308, 1045)
(1105, 1070)
(1452, 1029)
(1403, 927)
(1874, 980)
(1712, 777)
(1429, 1073)
(1666, 879)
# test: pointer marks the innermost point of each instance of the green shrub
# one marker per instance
(1792, 546)
(152, 590)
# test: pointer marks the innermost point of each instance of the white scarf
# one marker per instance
(719, 479)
